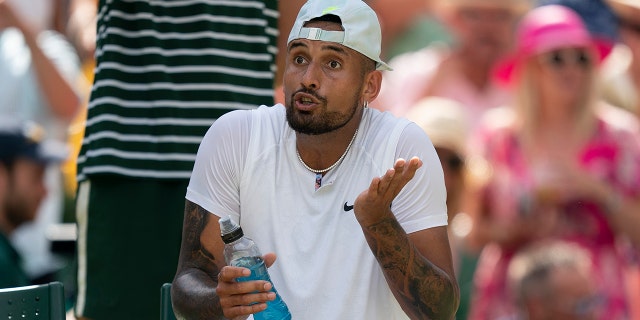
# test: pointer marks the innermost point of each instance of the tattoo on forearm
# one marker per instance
(424, 289)
(198, 270)
(196, 220)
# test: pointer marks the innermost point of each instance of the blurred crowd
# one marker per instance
(533, 107)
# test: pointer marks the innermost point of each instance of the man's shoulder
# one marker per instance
(243, 122)
(6, 249)
(261, 111)
(12, 274)
(383, 123)
(384, 117)
(270, 114)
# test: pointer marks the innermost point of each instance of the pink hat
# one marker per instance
(544, 29)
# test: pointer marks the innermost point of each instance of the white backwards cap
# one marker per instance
(360, 23)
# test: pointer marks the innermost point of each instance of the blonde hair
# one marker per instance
(527, 102)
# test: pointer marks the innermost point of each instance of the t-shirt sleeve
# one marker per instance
(215, 180)
(422, 202)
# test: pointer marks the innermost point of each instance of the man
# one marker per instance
(482, 32)
(165, 71)
(23, 161)
(554, 281)
(322, 182)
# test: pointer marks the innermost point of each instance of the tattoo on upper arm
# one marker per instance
(423, 287)
(196, 219)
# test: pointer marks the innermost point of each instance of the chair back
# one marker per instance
(44, 302)
(166, 309)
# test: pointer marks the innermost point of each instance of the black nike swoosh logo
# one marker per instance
(347, 207)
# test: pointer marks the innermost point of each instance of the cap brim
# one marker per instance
(380, 65)
(51, 152)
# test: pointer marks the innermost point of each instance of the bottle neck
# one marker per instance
(232, 236)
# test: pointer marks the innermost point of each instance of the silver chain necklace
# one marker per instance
(333, 165)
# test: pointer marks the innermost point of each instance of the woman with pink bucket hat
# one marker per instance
(563, 166)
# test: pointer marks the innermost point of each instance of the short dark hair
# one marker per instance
(531, 268)
(328, 18)
(368, 65)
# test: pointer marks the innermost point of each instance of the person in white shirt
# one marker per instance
(351, 199)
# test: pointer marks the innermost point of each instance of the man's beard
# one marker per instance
(17, 211)
(315, 123)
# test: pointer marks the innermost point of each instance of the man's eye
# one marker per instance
(334, 64)
(298, 60)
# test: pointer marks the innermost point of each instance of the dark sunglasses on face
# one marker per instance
(453, 162)
(628, 25)
(560, 58)
(449, 159)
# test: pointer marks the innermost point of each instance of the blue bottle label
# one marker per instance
(276, 309)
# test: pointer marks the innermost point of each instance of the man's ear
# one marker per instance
(372, 84)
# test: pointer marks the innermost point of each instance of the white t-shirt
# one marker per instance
(247, 168)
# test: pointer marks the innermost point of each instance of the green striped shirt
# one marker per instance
(165, 70)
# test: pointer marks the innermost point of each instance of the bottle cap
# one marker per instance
(230, 231)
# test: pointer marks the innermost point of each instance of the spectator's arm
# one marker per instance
(57, 91)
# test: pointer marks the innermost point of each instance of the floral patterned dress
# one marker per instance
(612, 155)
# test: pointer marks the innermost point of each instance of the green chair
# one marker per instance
(44, 302)
(166, 309)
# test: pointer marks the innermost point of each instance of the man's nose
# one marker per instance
(311, 76)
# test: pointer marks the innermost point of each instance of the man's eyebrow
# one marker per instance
(338, 49)
(294, 44)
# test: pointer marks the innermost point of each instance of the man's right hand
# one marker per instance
(240, 299)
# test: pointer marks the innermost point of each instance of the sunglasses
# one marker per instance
(630, 26)
(453, 162)
(560, 58)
